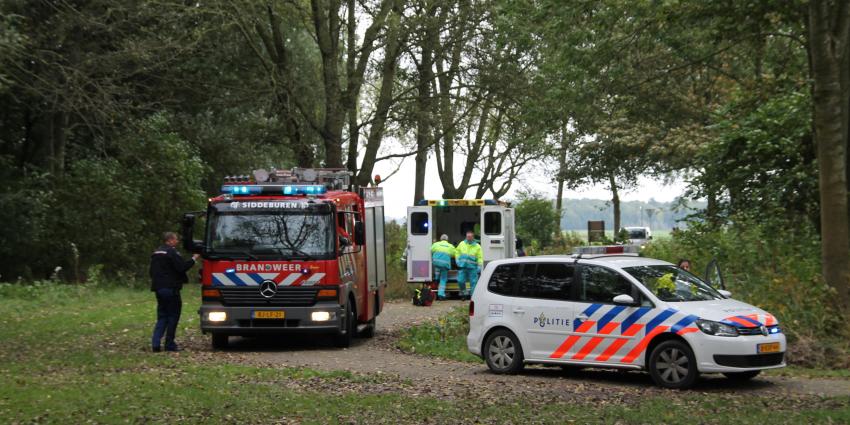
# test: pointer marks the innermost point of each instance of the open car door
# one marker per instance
(713, 275)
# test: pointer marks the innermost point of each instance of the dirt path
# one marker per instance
(415, 375)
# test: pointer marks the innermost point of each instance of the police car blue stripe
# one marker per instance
(587, 312)
(592, 309)
(682, 323)
(657, 320)
(610, 315)
(731, 323)
(634, 317)
(754, 322)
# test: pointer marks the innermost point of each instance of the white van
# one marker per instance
(491, 221)
(617, 311)
(639, 235)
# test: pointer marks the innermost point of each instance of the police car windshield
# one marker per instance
(637, 234)
(278, 234)
(672, 284)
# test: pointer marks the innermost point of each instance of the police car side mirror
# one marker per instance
(624, 299)
(359, 233)
(725, 293)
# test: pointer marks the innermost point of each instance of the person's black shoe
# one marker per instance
(174, 349)
(441, 298)
(156, 349)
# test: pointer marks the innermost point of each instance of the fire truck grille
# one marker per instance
(285, 297)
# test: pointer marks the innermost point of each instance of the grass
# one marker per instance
(74, 354)
(444, 338)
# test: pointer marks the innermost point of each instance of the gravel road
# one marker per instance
(417, 375)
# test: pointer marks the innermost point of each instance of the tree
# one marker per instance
(536, 218)
(829, 48)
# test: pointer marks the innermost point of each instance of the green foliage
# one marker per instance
(536, 219)
(395, 236)
(775, 267)
(108, 211)
(763, 156)
(444, 338)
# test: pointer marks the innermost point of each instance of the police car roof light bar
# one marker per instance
(607, 249)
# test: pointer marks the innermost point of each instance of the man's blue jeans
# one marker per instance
(168, 306)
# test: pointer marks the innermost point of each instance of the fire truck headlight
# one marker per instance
(320, 316)
(217, 316)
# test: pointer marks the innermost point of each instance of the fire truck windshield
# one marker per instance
(277, 234)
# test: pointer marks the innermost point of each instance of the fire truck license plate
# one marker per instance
(268, 315)
(772, 347)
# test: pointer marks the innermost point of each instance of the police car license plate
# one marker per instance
(268, 314)
(771, 347)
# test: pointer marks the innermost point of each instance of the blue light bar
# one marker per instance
(242, 190)
(308, 189)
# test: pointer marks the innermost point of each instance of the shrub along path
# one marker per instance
(429, 375)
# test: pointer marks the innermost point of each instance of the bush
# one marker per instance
(537, 220)
(774, 267)
(444, 338)
(106, 209)
(395, 235)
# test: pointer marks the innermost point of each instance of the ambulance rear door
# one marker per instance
(419, 240)
(510, 233)
(493, 240)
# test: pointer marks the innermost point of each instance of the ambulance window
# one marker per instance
(502, 280)
(601, 285)
(551, 281)
(419, 223)
(492, 223)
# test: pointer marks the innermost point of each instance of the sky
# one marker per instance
(398, 189)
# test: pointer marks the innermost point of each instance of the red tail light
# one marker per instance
(471, 308)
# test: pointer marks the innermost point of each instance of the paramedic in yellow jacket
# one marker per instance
(469, 261)
(442, 253)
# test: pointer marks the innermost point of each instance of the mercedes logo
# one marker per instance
(763, 330)
(268, 289)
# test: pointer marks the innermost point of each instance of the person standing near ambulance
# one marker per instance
(168, 274)
(470, 260)
(442, 253)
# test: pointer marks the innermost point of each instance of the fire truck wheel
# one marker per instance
(343, 338)
(219, 341)
(369, 330)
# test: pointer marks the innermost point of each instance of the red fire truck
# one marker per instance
(298, 250)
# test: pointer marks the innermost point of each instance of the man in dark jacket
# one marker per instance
(168, 274)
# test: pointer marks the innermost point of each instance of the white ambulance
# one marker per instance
(617, 311)
(491, 221)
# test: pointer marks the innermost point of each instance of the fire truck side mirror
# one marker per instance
(359, 233)
(188, 233)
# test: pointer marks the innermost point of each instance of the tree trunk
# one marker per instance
(828, 37)
(385, 98)
(615, 201)
(562, 164)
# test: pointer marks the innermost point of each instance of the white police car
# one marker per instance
(620, 312)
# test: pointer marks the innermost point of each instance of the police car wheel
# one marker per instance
(344, 337)
(742, 376)
(672, 364)
(503, 352)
